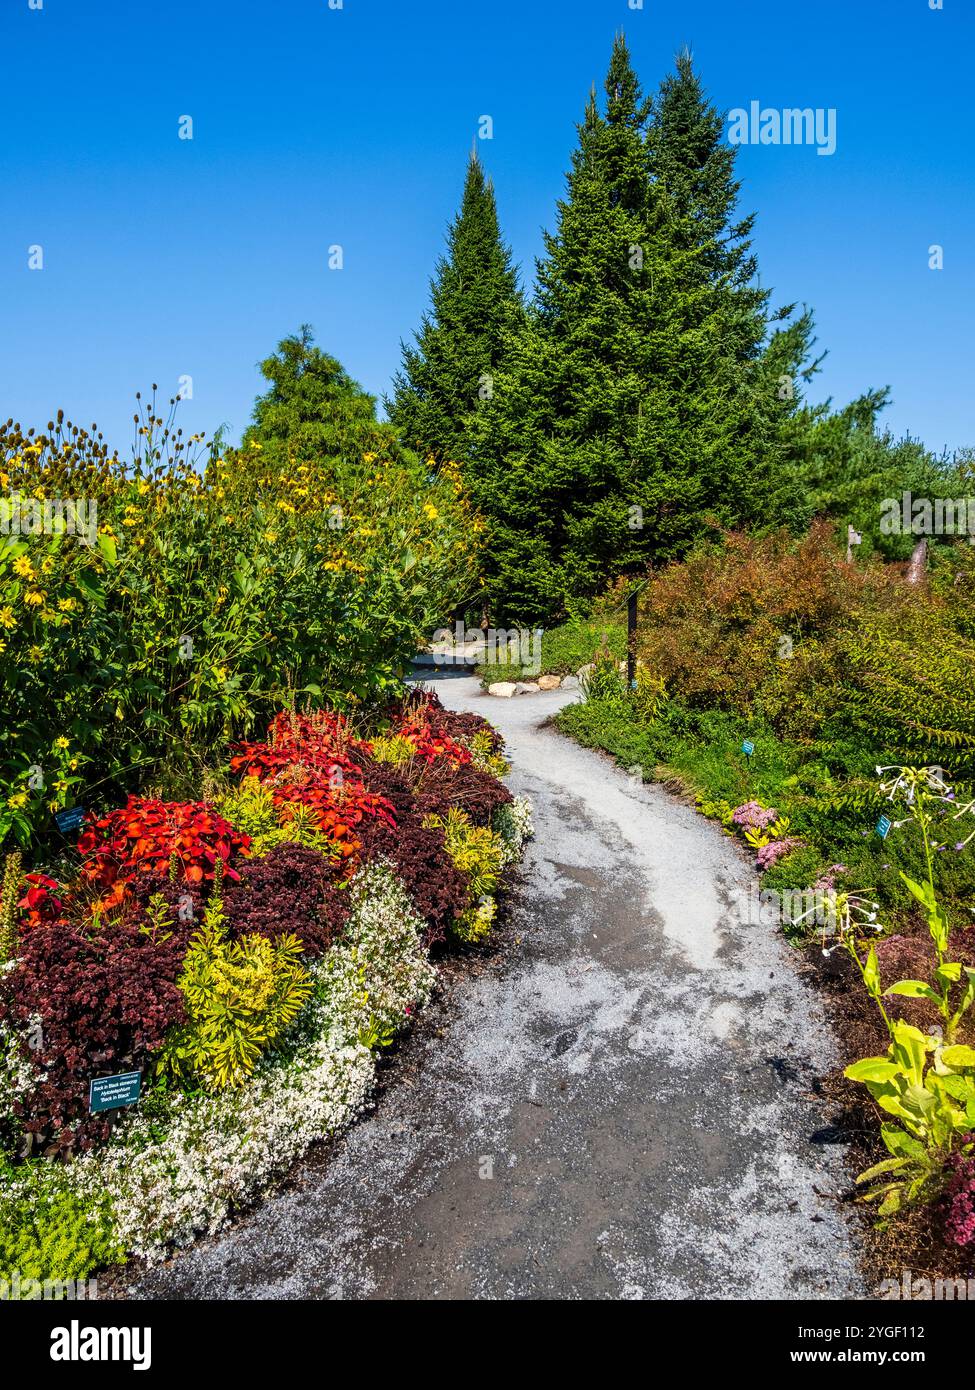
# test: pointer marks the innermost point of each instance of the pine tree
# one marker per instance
(474, 297)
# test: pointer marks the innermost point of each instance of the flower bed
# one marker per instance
(249, 955)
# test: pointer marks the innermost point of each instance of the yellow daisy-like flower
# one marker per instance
(47, 565)
(7, 618)
(62, 742)
(368, 457)
(23, 568)
(36, 654)
(430, 511)
(17, 800)
(3, 646)
(67, 605)
(33, 598)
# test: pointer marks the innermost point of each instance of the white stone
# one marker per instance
(503, 689)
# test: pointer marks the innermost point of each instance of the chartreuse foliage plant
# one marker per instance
(241, 997)
(56, 1234)
(922, 791)
(934, 1109)
(479, 853)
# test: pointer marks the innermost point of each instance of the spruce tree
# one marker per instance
(626, 423)
(474, 297)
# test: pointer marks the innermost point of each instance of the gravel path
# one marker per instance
(622, 1108)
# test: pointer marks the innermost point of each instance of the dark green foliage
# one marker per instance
(312, 404)
(629, 416)
(474, 299)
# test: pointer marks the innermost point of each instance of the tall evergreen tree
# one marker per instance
(692, 162)
(624, 421)
(474, 297)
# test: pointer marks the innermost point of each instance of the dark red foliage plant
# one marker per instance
(960, 1196)
(292, 889)
(438, 786)
(90, 1003)
(417, 853)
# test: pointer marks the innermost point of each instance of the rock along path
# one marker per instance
(620, 1109)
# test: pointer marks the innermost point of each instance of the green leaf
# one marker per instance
(914, 989)
(106, 544)
(872, 1069)
(958, 1056)
(888, 1165)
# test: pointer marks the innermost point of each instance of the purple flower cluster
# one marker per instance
(778, 849)
(826, 883)
(752, 815)
(960, 1194)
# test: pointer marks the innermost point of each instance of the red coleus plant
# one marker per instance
(306, 761)
(321, 741)
(420, 720)
(41, 902)
(150, 837)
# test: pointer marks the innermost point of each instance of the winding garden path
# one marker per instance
(620, 1107)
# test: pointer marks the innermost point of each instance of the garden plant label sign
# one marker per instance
(69, 820)
(884, 826)
(112, 1092)
(748, 748)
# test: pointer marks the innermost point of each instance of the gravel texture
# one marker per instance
(621, 1106)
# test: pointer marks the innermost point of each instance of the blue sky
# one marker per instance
(316, 126)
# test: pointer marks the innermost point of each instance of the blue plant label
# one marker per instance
(71, 819)
(112, 1092)
(748, 748)
(884, 825)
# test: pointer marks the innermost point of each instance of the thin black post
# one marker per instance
(631, 640)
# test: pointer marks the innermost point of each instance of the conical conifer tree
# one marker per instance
(474, 297)
(627, 422)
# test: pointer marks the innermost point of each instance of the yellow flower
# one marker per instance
(23, 567)
(368, 457)
(430, 511)
(36, 654)
(33, 598)
(67, 605)
(7, 618)
(18, 799)
(62, 742)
